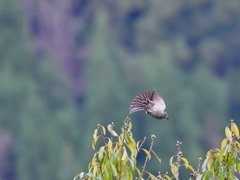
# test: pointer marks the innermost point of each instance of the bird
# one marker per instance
(151, 102)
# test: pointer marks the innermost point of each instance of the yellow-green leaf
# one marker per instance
(109, 146)
(76, 177)
(235, 129)
(138, 171)
(150, 175)
(95, 142)
(170, 161)
(191, 168)
(174, 170)
(132, 165)
(224, 143)
(114, 133)
(118, 144)
(125, 155)
(127, 137)
(228, 133)
(156, 156)
(103, 129)
(101, 151)
(114, 170)
(147, 152)
(186, 164)
(132, 149)
(238, 144)
(210, 164)
(167, 177)
(130, 175)
(138, 144)
(130, 126)
(94, 160)
(111, 131)
(209, 154)
(95, 133)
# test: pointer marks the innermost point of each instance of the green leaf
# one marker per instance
(230, 162)
(231, 174)
(127, 137)
(206, 176)
(217, 166)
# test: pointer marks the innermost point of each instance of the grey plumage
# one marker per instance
(151, 102)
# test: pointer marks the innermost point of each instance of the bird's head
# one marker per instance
(165, 115)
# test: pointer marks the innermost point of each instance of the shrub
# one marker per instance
(115, 157)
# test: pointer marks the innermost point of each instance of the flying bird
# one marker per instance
(151, 102)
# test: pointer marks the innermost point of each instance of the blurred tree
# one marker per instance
(106, 85)
(36, 106)
(189, 50)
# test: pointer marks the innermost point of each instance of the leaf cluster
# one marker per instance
(115, 157)
(223, 163)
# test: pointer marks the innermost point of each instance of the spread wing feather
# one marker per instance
(141, 101)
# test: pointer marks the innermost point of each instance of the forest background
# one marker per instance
(66, 66)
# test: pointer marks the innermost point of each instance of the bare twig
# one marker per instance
(153, 137)
(179, 155)
(141, 144)
(125, 128)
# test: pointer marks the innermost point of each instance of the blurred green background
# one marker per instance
(66, 66)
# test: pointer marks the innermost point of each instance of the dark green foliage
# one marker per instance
(36, 106)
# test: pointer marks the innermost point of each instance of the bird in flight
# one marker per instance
(151, 102)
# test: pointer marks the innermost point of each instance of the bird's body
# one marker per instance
(151, 102)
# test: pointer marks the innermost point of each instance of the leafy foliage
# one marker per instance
(116, 157)
(223, 163)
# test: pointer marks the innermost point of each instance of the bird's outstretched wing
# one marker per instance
(158, 101)
(142, 101)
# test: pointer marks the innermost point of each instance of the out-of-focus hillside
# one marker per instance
(66, 66)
